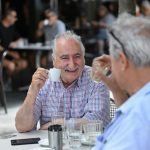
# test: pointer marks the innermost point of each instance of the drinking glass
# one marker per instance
(58, 118)
(91, 130)
(74, 133)
(105, 70)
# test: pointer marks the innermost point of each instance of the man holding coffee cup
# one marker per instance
(74, 93)
(129, 59)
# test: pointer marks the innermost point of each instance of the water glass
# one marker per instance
(58, 118)
(105, 70)
(74, 133)
(91, 130)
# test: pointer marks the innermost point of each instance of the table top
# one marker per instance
(33, 47)
(5, 144)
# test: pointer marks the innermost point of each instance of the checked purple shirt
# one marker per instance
(83, 99)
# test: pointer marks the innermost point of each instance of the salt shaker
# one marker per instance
(55, 137)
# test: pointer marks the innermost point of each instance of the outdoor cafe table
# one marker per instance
(5, 144)
(34, 48)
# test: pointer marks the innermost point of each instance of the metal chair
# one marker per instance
(112, 106)
(112, 109)
(2, 92)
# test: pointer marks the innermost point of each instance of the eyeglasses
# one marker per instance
(117, 39)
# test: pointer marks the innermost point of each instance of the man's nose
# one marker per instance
(71, 63)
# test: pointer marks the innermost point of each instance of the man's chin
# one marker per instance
(71, 79)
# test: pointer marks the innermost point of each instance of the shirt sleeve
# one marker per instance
(98, 106)
(37, 108)
(61, 28)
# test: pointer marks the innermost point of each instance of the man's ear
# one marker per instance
(124, 62)
(54, 60)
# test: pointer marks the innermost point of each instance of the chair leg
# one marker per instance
(2, 92)
(3, 97)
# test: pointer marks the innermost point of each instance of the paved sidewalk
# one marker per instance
(7, 121)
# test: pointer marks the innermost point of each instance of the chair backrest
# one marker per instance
(112, 106)
(112, 109)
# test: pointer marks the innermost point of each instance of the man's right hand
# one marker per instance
(119, 94)
(38, 80)
(98, 66)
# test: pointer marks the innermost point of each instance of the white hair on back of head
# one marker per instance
(146, 3)
(134, 34)
(68, 35)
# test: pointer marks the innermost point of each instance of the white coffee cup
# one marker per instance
(45, 22)
(20, 43)
(54, 74)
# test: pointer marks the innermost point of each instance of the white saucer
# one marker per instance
(87, 143)
(44, 143)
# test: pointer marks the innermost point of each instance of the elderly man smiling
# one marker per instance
(81, 97)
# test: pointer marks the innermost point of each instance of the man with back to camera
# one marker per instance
(130, 65)
(81, 97)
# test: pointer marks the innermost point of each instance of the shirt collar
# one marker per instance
(134, 99)
(84, 76)
(79, 80)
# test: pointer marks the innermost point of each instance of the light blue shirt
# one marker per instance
(130, 129)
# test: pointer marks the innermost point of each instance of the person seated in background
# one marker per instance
(82, 22)
(145, 8)
(49, 28)
(105, 19)
(129, 59)
(9, 38)
(77, 95)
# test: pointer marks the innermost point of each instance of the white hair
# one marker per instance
(68, 35)
(145, 3)
(132, 36)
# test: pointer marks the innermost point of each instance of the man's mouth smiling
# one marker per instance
(71, 70)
